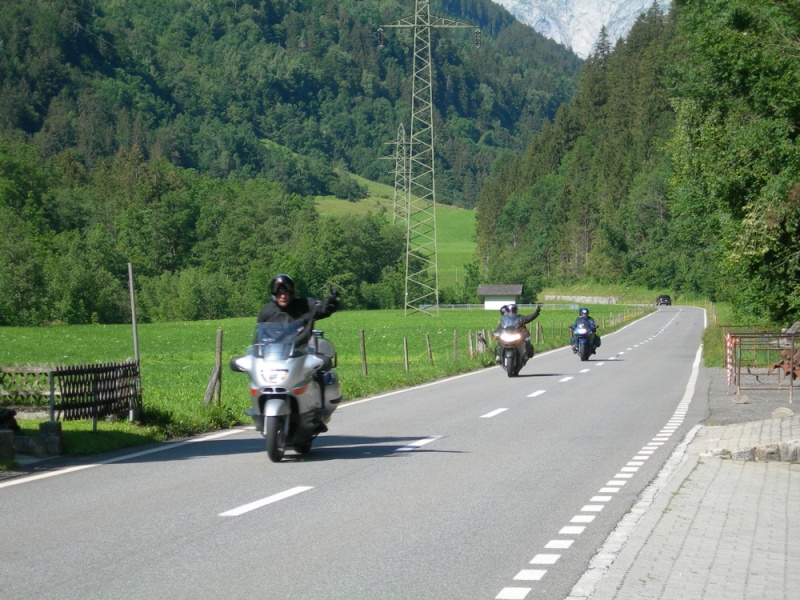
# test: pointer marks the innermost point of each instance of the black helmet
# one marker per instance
(513, 309)
(584, 312)
(504, 310)
(281, 282)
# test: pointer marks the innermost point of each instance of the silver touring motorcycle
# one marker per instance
(293, 385)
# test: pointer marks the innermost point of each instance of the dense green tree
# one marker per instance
(735, 148)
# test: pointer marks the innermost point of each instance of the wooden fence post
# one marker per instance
(214, 388)
(52, 407)
(218, 388)
(455, 345)
(363, 355)
(428, 343)
(405, 352)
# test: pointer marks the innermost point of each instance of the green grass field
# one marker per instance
(455, 227)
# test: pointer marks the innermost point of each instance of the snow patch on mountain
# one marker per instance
(577, 23)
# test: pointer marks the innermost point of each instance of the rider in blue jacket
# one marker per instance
(583, 317)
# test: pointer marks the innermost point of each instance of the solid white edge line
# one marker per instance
(161, 448)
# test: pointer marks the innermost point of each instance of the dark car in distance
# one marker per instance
(663, 300)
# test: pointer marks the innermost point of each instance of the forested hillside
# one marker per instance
(188, 136)
(205, 83)
(675, 166)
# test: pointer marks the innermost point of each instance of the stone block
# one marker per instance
(790, 451)
(48, 443)
(744, 454)
(7, 444)
(768, 452)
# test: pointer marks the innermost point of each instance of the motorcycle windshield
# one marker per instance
(510, 322)
(582, 325)
(276, 340)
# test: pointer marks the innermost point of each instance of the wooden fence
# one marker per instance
(74, 392)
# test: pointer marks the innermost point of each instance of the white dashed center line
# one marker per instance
(235, 512)
(494, 413)
(418, 444)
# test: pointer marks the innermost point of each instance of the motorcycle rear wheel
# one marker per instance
(276, 438)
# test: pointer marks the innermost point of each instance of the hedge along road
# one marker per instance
(479, 486)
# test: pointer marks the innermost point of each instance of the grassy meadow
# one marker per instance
(455, 227)
(177, 360)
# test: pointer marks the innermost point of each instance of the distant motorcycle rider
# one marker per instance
(584, 318)
(511, 309)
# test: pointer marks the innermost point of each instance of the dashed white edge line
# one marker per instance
(608, 552)
(589, 580)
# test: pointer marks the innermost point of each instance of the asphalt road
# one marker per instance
(477, 487)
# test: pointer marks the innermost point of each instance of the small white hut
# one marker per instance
(495, 296)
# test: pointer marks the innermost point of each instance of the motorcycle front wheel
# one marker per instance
(585, 351)
(510, 367)
(276, 438)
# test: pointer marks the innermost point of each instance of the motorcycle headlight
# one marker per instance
(511, 337)
(581, 330)
(274, 376)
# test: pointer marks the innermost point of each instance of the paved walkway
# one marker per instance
(723, 524)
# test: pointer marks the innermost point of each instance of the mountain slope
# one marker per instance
(576, 23)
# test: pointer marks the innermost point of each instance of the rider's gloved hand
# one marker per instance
(537, 311)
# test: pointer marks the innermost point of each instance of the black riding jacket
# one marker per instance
(300, 310)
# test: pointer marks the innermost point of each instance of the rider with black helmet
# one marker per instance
(583, 316)
(511, 309)
(287, 307)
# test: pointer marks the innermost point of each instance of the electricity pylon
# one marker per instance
(422, 272)
(401, 177)
(400, 158)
